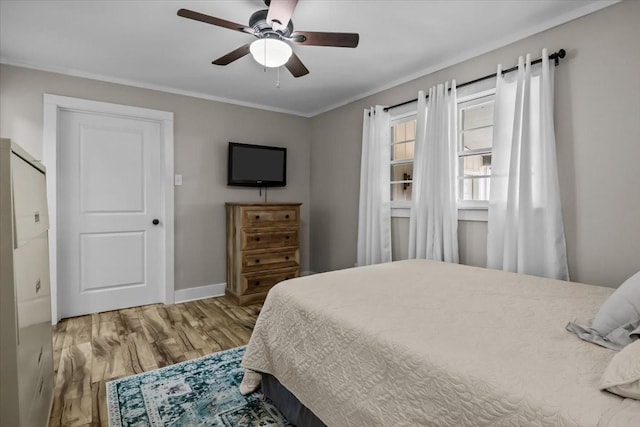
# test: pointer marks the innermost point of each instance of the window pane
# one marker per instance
(475, 188)
(477, 165)
(402, 151)
(405, 131)
(477, 138)
(399, 134)
(477, 116)
(401, 191)
(410, 130)
(402, 172)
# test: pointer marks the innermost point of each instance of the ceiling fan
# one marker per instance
(273, 29)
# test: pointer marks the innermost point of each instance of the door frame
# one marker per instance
(53, 104)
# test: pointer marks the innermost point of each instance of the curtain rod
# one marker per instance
(556, 56)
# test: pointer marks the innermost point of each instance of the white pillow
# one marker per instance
(622, 376)
(621, 308)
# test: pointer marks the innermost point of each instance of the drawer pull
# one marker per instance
(287, 216)
(257, 261)
(257, 283)
(257, 239)
(257, 216)
(37, 286)
(36, 216)
(286, 258)
(286, 237)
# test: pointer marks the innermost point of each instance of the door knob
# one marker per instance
(155, 221)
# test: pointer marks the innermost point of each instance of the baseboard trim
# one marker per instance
(199, 292)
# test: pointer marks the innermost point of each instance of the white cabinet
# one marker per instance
(26, 353)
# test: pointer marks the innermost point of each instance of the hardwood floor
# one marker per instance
(91, 350)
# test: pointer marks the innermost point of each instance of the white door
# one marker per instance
(109, 205)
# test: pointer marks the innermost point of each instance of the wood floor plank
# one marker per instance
(153, 325)
(137, 354)
(107, 362)
(59, 333)
(99, 415)
(91, 350)
(78, 330)
(130, 318)
(73, 387)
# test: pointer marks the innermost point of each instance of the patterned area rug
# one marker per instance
(199, 392)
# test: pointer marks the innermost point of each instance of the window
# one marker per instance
(475, 139)
(403, 136)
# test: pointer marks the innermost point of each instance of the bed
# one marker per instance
(420, 342)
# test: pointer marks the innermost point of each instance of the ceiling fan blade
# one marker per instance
(280, 12)
(197, 16)
(296, 67)
(312, 38)
(233, 55)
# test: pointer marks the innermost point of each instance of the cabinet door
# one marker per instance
(30, 200)
(31, 275)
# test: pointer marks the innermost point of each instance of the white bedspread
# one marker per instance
(425, 343)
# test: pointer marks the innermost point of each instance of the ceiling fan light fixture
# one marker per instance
(270, 52)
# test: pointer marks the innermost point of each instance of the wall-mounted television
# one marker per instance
(256, 165)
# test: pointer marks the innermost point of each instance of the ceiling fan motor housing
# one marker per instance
(258, 22)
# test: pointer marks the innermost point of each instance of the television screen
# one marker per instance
(257, 165)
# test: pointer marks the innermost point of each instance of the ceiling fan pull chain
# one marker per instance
(264, 58)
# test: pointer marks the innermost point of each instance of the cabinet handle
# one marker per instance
(257, 261)
(37, 286)
(286, 258)
(286, 237)
(287, 216)
(257, 283)
(257, 216)
(257, 239)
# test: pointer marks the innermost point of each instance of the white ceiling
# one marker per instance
(144, 43)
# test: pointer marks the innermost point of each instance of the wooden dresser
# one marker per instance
(262, 248)
(26, 355)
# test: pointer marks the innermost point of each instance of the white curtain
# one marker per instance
(433, 227)
(374, 217)
(525, 230)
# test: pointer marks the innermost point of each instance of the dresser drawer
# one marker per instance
(261, 282)
(269, 259)
(269, 216)
(31, 269)
(30, 201)
(263, 239)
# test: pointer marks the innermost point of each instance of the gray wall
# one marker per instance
(202, 130)
(597, 128)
